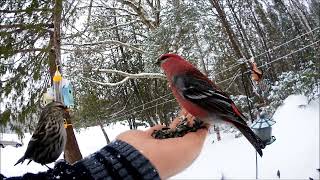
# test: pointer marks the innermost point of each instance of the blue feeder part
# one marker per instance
(67, 93)
(262, 127)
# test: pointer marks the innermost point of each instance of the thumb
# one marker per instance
(197, 137)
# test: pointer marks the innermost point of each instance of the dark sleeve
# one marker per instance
(118, 160)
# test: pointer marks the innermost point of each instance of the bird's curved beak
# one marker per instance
(158, 62)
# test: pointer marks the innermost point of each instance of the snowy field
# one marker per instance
(295, 153)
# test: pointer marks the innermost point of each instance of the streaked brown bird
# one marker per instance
(49, 139)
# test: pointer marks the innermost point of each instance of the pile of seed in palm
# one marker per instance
(181, 129)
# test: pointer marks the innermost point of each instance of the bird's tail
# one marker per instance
(21, 160)
(251, 136)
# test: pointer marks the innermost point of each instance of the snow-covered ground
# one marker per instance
(295, 153)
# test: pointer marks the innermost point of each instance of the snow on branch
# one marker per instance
(109, 42)
(127, 77)
(140, 11)
(118, 25)
(140, 75)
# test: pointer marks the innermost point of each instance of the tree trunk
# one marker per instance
(241, 29)
(232, 39)
(202, 62)
(71, 152)
(234, 44)
(104, 132)
(264, 45)
(302, 16)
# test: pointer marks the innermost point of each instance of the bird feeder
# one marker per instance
(57, 86)
(262, 128)
(67, 93)
(61, 91)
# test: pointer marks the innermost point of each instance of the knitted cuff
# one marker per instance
(118, 160)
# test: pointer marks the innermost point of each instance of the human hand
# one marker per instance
(169, 156)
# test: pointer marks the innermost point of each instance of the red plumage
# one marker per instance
(202, 98)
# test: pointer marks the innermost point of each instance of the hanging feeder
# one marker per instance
(61, 91)
(57, 78)
(67, 93)
(262, 128)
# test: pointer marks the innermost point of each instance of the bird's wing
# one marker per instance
(37, 136)
(196, 88)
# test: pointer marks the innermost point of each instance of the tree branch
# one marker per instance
(134, 76)
(24, 10)
(108, 42)
(140, 11)
(118, 25)
(127, 77)
(29, 50)
(106, 83)
(121, 9)
(26, 26)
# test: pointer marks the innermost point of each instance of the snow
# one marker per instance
(295, 153)
(90, 140)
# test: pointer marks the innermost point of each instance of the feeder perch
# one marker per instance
(262, 128)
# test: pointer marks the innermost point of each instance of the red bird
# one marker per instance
(202, 98)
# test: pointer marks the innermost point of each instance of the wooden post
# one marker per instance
(71, 152)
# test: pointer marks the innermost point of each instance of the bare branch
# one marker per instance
(140, 11)
(29, 50)
(135, 76)
(23, 51)
(151, 5)
(128, 76)
(86, 7)
(67, 10)
(121, 9)
(106, 83)
(118, 25)
(88, 18)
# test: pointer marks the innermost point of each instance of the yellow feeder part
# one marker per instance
(57, 76)
(65, 124)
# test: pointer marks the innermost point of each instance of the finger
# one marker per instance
(129, 134)
(175, 122)
(190, 119)
(206, 125)
(183, 112)
(153, 128)
(197, 137)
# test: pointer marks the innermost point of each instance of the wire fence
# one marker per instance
(128, 112)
